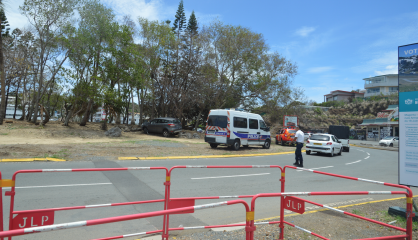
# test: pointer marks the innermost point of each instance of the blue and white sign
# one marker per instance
(408, 114)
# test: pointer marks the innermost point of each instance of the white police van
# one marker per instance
(235, 128)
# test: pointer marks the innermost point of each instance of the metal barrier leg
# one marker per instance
(1, 206)
(281, 225)
(166, 220)
(409, 216)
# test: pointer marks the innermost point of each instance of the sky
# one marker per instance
(335, 44)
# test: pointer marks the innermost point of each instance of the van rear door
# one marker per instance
(217, 128)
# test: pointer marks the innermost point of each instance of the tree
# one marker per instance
(192, 24)
(51, 20)
(180, 20)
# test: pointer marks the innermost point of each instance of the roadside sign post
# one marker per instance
(408, 114)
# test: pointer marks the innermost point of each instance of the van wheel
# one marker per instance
(266, 144)
(391, 145)
(146, 130)
(236, 145)
(308, 152)
(277, 141)
(282, 143)
(213, 145)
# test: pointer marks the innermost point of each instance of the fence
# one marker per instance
(187, 205)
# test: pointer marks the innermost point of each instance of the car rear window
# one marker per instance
(174, 121)
(218, 121)
(319, 138)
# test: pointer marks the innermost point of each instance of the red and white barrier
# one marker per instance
(187, 205)
(24, 231)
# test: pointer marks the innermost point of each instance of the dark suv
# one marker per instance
(166, 126)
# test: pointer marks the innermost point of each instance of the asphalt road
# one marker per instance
(63, 189)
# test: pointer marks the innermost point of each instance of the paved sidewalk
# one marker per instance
(371, 144)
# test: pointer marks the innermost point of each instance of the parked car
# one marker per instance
(166, 126)
(324, 143)
(307, 136)
(389, 141)
(285, 136)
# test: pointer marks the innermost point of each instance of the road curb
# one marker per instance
(387, 149)
(205, 156)
(32, 160)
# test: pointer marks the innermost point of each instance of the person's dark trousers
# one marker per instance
(298, 153)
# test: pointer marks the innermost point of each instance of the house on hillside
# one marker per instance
(339, 95)
(384, 84)
(385, 124)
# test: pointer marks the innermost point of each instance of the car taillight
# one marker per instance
(307, 141)
(171, 125)
(329, 143)
(228, 134)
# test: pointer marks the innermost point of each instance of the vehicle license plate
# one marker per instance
(211, 131)
(317, 143)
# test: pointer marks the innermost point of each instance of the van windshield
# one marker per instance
(217, 121)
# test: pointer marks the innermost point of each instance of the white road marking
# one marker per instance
(71, 185)
(368, 153)
(248, 175)
(367, 157)
(353, 162)
(316, 168)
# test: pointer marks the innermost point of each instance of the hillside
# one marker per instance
(350, 114)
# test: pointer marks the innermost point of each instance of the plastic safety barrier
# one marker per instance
(187, 205)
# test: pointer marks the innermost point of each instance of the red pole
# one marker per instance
(281, 225)
(1, 207)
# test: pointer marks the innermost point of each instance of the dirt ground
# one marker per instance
(75, 143)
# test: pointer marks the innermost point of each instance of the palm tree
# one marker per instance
(2, 75)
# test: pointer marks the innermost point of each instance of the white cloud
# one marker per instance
(305, 31)
(391, 69)
(381, 62)
(319, 69)
(16, 20)
(151, 10)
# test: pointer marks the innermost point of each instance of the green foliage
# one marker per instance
(4, 24)
(180, 19)
(192, 24)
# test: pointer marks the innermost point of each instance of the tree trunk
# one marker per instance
(140, 106)
(69, 113)
(104, 123)
(197, 120)
(2, 82)
(47, 117)
(117, 120)
(86, 114)
(17, 91)
(133, 109)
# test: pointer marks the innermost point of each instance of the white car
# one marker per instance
(389, 141)
(307, 136)
(324, 143)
